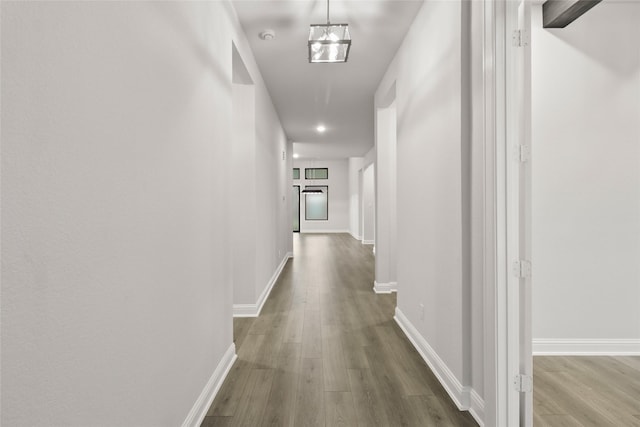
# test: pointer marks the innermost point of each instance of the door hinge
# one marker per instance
(520, 38)
(522, 153)
(523, 383)
(522, 269)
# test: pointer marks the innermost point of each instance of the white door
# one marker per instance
(520, 358)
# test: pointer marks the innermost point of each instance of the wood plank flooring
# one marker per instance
(586, 391)
(325, 351)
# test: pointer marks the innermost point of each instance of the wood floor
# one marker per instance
(325, 351)
(586, 391)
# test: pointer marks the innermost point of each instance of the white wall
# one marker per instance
(361, 204)
(476, 168)
(435, 196)
(116, 269)
(386, 199)
(339, 202)
(367, 181)
(369, 158)
(354, 168)
(586, 181)
(289, 200)
(243, 205)
(429, 180)
(273, 190)
(368, 205)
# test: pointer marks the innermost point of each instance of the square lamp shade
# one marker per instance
(329, 43)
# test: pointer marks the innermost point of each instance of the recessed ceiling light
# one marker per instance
(295, 156)
(321, 128)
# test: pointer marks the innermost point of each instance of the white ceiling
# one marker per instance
(339, 96)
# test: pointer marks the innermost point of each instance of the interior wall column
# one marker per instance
(386, 230)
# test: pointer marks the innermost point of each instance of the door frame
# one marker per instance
(505, 216)
(299, 201)
(518, 128)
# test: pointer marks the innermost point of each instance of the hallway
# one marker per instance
(326, 351)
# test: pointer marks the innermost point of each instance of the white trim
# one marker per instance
(461, 395)
(368, 242)
(385, 288)
(586, 347)
(358, 238)
(498, 391)
(253, 310)
(201, 406)
(477, 408)
(512, 225)
(324, 231)
(518, 210)
(245, 310)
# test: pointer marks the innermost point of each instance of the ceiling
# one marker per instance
(338, 96)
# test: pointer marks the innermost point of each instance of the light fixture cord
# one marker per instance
(328, 12)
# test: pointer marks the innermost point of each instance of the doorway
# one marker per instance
(296, 208)
(573, 213)
(585, 216)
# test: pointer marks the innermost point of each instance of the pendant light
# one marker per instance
(329, 43)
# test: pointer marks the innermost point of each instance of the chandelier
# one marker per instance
(329, 42)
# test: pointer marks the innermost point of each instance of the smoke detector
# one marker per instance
(267, 35)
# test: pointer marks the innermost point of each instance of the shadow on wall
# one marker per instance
(197, 41)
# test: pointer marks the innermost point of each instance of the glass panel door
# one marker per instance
(316, 204)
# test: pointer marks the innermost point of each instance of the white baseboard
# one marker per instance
(200, 408)
(324, 231)
(358, 238)
(461, 395)
(477, 408)
(368, 242)
(385, 288)
(253, 310)
(586, 347)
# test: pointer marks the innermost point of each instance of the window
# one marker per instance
(316, 205)
(296, 173)
(316, 173)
